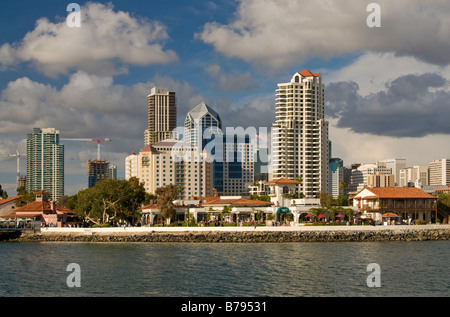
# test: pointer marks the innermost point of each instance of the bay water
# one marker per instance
(231, 270)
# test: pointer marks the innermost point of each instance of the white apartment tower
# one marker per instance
(440, 172)
(131, 166)
(300, 134)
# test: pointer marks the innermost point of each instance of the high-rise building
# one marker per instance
(300, 134)
(379, 179)
(233, 155)
(336, 177)
(96, 171)
(395, 165)
(359, 176)
(414, 176)
(113, 171)
(45, 162)
(131, 166)
(440, 172)
(162, 115)
(158, 166)
(199, 119)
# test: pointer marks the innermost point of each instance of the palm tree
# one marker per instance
(315, 212)
(349, 213)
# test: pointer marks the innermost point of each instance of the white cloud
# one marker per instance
(105, 44)
(368, 148)
(230, 82)
(284, 33)
(86, 106)
(374, 71)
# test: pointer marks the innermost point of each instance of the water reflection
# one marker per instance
(236, 270)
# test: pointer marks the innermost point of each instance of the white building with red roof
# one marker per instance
(396, 203)
(300, 133)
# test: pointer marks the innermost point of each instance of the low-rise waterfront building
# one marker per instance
(8, 205)
(216, 210)
(46, 211)
(396, 203)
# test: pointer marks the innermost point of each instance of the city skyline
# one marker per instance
(384, 98)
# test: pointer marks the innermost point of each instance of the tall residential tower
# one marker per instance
(45, 162)
(300, 134)
(162, 115)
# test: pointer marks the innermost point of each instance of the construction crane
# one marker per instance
(90, 140)
(18, 155)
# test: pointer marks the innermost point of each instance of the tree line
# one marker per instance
(112, 201)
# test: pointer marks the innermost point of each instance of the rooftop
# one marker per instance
(307, 73)
(395, 192)
(201, 109)
(282, 181)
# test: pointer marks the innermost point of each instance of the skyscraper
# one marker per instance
(233, 165)
(300, 134)
(45, 162)
(336, 176)
(197, 121)
(440, 172)
(162, 115)
(97, 170)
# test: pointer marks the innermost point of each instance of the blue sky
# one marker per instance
(387, 91)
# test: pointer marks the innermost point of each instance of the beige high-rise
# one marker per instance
(300, 134)
(162, 115)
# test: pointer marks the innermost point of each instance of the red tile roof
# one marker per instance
(396, 192)
(7, 200)
(307, 73)
(282, 181)
(151, 206)
(43, 207)
(236, 202)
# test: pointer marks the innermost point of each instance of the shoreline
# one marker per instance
(240, 234)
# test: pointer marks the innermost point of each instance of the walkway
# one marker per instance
(132, 230)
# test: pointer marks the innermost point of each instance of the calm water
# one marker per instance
(236, 270)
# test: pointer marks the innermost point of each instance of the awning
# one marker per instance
(283, 210)
(389, 214)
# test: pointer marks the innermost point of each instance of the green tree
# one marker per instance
(109, 201)
(349, 213)
(260, 197)
(3, 193)
(166, 196)
(149, 198)
(25, 197)
(444, 202)
(315, 212)
(63, 201)
(342, 200)
(343, 185)
(326, 200)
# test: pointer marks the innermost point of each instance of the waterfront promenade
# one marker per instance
(241, 234)
(134, 230)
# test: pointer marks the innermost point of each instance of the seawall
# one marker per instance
(242, 235)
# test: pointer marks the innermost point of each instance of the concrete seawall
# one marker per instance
(242, 234)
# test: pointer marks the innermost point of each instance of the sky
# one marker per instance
(387, 92)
